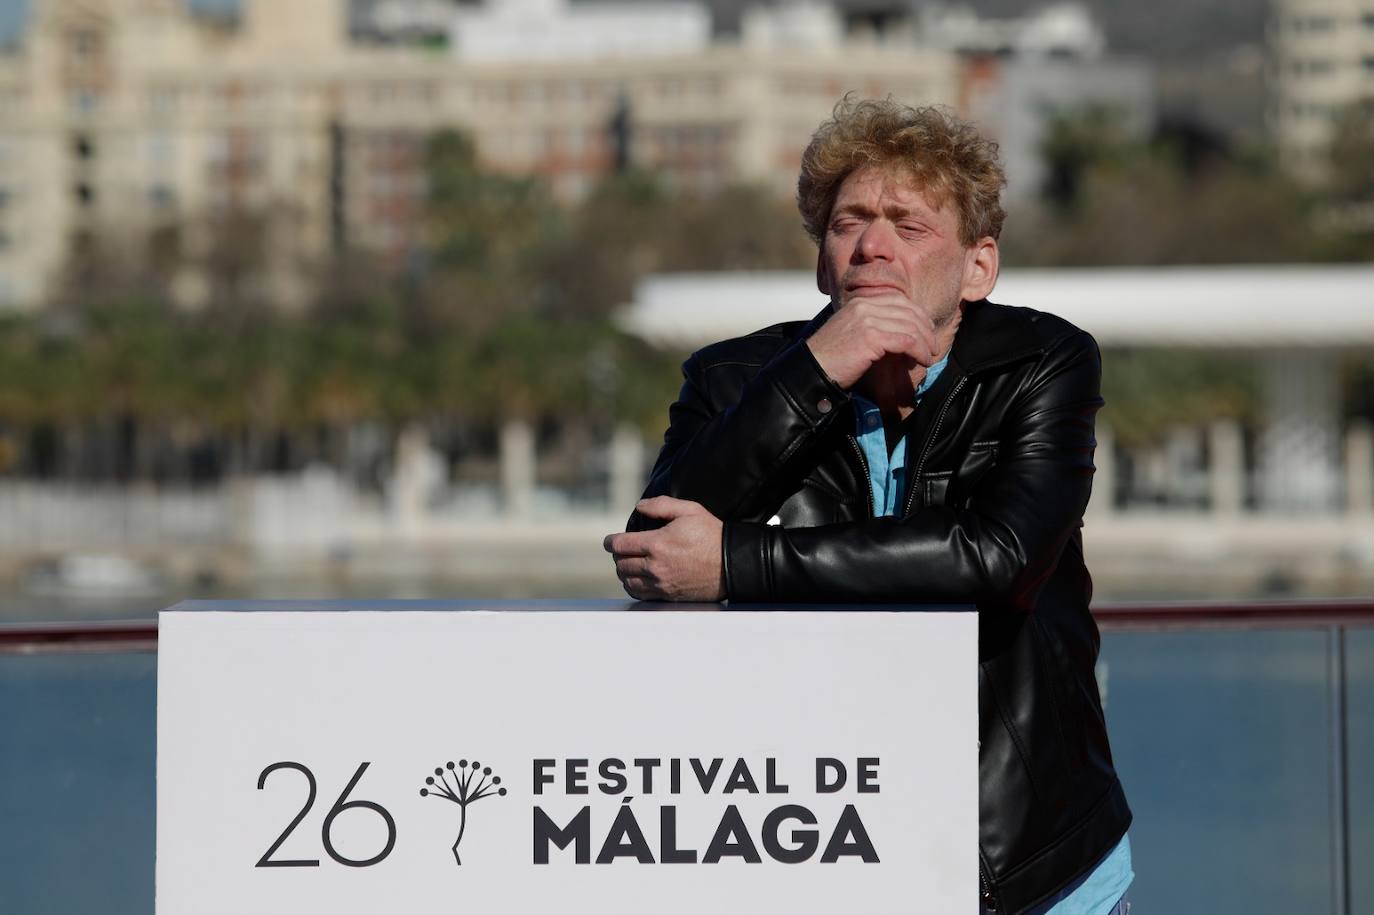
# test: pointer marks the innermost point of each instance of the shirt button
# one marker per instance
(871, 421)
(824, 405)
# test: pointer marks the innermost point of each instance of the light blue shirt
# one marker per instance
(1096, 892)
(886, 472)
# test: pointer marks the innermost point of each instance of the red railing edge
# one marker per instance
(94, 635)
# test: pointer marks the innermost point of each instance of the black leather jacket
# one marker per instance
(999, 464)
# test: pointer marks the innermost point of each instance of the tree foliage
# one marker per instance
(1179, 197)
(505, 311)
(1152, 391)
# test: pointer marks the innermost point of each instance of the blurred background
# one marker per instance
(387, 298)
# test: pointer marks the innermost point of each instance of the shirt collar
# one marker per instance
(866, 415)
(932, 373)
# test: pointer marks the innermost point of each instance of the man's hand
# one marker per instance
(868, 328)
(679, 561)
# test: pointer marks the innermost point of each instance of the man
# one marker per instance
(915, 442)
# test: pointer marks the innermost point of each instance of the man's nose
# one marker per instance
(876, 242)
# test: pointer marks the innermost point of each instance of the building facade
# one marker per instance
(118, 117)
(1322, 64)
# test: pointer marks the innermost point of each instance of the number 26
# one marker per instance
(339, 807)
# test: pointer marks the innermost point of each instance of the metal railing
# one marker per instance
(141, 635)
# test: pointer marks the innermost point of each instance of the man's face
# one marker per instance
(886, 238)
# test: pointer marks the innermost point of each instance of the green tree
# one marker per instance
(1151, 391)
(1352, 155)
(1180, 198)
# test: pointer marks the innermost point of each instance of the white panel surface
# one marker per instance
(407, 692)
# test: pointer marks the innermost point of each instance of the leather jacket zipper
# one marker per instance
(930, 442)
(989, 900)
(867, 474)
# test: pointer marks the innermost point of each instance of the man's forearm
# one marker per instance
(999, 546)
(729, 459)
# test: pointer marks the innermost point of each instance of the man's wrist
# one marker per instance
(806, 383)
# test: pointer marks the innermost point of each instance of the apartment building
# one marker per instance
(1322, 63)
(119, 116)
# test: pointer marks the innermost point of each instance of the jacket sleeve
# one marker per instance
(1000, 547)
(726, 458)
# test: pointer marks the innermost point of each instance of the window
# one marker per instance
(1313, 24)
(83, 101)
(1312, 67)
(161, 197)
(83, 43)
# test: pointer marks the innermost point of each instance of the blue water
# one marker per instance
(1360, 735)
(77, 784)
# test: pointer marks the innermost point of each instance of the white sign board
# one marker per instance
(531, 761)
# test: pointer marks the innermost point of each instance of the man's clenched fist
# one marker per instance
(679, 561)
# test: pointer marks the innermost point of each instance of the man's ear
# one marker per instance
(981, 263)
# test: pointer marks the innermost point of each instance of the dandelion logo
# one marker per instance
(462, 791)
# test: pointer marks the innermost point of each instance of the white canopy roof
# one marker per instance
(1261, 306)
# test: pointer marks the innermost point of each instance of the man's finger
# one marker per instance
(665, 507)
(632, 567)
(628, 544)
(923, 349)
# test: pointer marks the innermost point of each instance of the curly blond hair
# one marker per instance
(944, 157)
